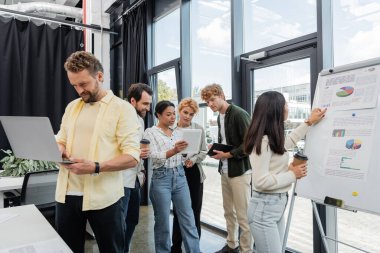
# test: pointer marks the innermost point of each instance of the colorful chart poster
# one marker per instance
(355, 89)
(344, 160)
(350, 144)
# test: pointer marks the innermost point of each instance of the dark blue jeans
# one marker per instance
(131, 204)
(107, 223)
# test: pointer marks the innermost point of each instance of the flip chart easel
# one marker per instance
(343, 148)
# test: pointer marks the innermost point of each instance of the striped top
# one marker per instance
(160, 143)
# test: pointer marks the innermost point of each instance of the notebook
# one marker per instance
(219, 147)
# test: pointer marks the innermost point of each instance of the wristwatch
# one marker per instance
(97, 168)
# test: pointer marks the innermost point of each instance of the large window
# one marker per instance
(293, 80)
(211, 45)
(167, 86)
(167, 38)
(268, 22)
(356, 30)
(211, 63)
(164, 81)
(164, 75)
(212, 208)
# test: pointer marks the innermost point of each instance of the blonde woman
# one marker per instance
(195, 176)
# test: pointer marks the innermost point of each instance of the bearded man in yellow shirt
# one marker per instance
(100, 134)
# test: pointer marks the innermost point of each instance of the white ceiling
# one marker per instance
(71, 3)
(63, 2)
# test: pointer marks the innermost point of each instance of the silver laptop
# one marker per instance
(32, 138)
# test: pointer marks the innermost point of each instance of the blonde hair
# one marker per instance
(211, 90)
(188, 102)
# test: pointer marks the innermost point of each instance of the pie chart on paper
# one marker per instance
(345, 91)
(353, 144)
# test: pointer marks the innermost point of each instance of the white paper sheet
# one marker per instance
(355, 89)
(350, 144)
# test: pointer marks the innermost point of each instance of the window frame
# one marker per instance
(295, 49)
(152, 76)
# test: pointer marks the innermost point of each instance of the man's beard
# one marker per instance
(141, 113)
(90, 97)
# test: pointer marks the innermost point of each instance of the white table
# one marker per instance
(15, 183)
(7, 184)
(29, 229)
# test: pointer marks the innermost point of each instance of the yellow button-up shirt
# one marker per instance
(116, 132)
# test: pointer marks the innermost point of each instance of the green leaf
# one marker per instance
(14, 166)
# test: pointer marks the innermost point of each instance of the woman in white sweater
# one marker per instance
(272, 177)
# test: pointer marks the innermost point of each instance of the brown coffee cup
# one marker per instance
(144, 143)
(299, 158)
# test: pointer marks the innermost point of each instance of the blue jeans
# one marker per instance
(131, 204)
(266, 220)
(193, 177)
(169, 184)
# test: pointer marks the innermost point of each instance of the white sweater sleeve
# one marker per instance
(296, 135)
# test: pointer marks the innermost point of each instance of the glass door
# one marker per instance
(294, 75)
(293, 80)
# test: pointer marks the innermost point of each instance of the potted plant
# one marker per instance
(18, 167)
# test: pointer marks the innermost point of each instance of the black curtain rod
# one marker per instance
(129, 10)
(53, 20)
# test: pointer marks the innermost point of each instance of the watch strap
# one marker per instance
(97, 168)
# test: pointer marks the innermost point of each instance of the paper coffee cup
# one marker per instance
(299, 158)
(144, 143)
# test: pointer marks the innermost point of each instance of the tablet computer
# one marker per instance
(220, 147)
(193, 138)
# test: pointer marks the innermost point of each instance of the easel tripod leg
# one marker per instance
(321, 231)
(291, 205)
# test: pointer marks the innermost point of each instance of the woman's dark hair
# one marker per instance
(161, 106)
(267, 119)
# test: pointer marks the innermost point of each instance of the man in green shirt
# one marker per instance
(234, 167)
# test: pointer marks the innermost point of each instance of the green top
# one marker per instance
(236, 123)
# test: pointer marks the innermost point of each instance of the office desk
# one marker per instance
(15, 183)
(7, 184)
(29, 229)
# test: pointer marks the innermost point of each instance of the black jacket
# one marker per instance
(236, 123)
